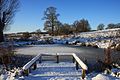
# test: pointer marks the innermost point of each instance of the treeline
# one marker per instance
(109, 26)
(54, 27)
(112, 25)
(65, 29)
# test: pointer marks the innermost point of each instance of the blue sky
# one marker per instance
(28, 18)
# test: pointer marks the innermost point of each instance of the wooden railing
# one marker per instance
(30, 64)
(80, 63)
(76, 59)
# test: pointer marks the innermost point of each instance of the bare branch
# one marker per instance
(8, 8)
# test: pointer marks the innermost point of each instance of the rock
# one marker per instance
(81, 44)
(94, 45)
(87, 44)
(118, 47)
(100, 77)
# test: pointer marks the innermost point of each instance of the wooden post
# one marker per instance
(34, 66)
(73, 59)
(77, 65)
(40, 59)
(30, 70)
(57, 56)
(83, 73)
(26, 72)
(107, 52)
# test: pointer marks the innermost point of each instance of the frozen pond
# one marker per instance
(89, 53)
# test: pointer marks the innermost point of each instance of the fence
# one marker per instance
(76, 59)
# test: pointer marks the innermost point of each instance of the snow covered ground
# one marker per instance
(53, 71)
(62, 71)
(50, 70)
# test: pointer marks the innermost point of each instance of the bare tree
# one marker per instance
(81, 26)
(8, 9)
(100, 27)
(110, 26)
(50, 17)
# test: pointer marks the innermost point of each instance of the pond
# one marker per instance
(89, 53)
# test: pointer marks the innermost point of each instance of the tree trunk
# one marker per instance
(1, 36)
(52, 30)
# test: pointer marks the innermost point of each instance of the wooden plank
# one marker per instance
(40, 59)
(77, 66)
(73, 59)
(47, 54)
(57, 57)
(83, 73)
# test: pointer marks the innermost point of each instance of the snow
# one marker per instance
(3, 77)
(103, 45)
(107, 32)
(31, 62)
(7, 76)
(53, 71)
(43, 71)
(38, 56)
(49, 70)
(101, 77)
(63, 70)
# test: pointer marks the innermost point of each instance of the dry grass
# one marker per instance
(5, 54)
